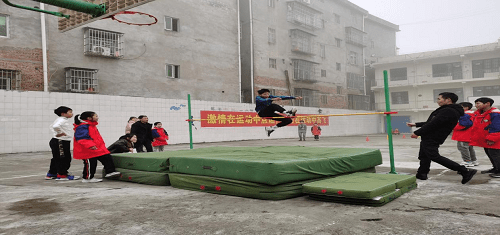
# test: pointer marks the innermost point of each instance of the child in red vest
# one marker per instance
(486, 133)
(160, 137)
(89, 146)
(316, 131)
(462, 133)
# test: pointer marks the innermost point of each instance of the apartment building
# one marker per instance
(415, 80)
(192, 49)
(311, 48)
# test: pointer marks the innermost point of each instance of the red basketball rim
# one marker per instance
(132, 13)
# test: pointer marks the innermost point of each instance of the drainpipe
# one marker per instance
(44, 50)
(239, 48)
(363, 56)
(251, 52)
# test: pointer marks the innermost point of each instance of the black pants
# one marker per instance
(269, 111)
(146, 143)
(61, 156)
(89, 165)
(429, 151)
(494, 156)
(316, 137)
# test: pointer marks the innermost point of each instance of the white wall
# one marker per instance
(25, 118)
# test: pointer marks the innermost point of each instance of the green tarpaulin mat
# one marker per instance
(360, 185)
(377, 201)
(141, 177)
(153, 162)
(239, 188)
(272, 165)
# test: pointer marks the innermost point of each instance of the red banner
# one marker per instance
(240, 119)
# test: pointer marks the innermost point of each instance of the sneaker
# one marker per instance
(269, 132)
(421, 176)
(116, 173)
(67, 177)
(467, 164)
(93, 180)
(492, 170)
(50, 176)
(467, 175)
(475, 163)
(292, 112)
(495, 175)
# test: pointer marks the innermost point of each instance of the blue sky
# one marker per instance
(428, 25)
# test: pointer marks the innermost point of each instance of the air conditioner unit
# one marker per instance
(101, 50)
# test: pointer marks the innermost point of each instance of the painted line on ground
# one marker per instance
(19, 177)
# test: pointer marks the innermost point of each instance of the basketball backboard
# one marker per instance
(78, 19)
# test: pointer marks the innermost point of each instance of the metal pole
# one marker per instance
(389, 126)
(86, 7)
(190, 123)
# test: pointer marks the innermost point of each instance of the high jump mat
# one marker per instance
(361, 188)
(240, 188)
(152, 162)
(141, 177)
(274, 165)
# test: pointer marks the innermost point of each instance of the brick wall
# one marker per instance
(26, 60)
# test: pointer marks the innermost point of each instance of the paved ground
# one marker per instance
(441, 205)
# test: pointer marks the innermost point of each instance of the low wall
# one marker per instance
(25, 118)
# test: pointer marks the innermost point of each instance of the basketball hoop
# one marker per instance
(132, 13)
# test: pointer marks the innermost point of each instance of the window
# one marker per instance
(271, 36)
(4, 25)
(307, 97)
(480, 67)
(303, 15)
(304, 70)
(372, 44)
(398, 74)
(302, 41)
(272, 63)
(324, 99)
(458, 91)
(337, 18)
(323, 73)
(81, 80)
(448, 69)
(272, 91)
(322, 50)
(10, 80)
(338, 42)
(400, 97)
(355, 81)
(172, 71)
(339, 90)
(271, 3)
(359, 102)
(102, 43)
(353, 58)
(355, 36)
(486, 91)
(339, 67)
(171, 24)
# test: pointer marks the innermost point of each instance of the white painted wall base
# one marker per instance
(25, 118)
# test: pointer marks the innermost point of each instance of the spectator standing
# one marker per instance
(142, 129)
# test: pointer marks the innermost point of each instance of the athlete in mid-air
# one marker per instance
(265, 107)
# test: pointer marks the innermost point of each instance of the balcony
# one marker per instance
(302, 42)
(303, 15)
(304, 71)
(355, 37)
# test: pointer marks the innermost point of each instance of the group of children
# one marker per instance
(152, 138)
(479, 128)
(89, 146)
(315, 130)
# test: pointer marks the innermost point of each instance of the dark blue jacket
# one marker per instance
(261, 103)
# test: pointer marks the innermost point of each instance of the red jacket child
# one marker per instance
(486, 128)
(463, 130)
(316, 130)
(160, 135)
(86, 137)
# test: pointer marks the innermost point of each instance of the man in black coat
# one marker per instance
(434, 132)
(142, 129)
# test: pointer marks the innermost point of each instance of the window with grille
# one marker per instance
(480, 67)
(359, 102)
(353, 58)
(304, 70)
(272, 91)
(10, 79)
(173, 71)
(307, 95)
(448, 69)
(339, 90)
(486, 91)
(338, 42)
(398, 74)
(339, 67)
(272, 63)
(400, 97)
(81, 80)
(458, 91)
(322, 50)
(303, 15)
(271, 36)
(355, 81)
(171, 24)
(324, 99)
(337, 18)
(302, 41)
(355, 36)
(323, 73)
(103, 43)
(271, 3)
(4, 25)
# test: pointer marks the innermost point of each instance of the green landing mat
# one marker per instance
(376, 201)
(240, 188)
(152, 162)
(273, 165)
(141, 177)
(360, 185)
